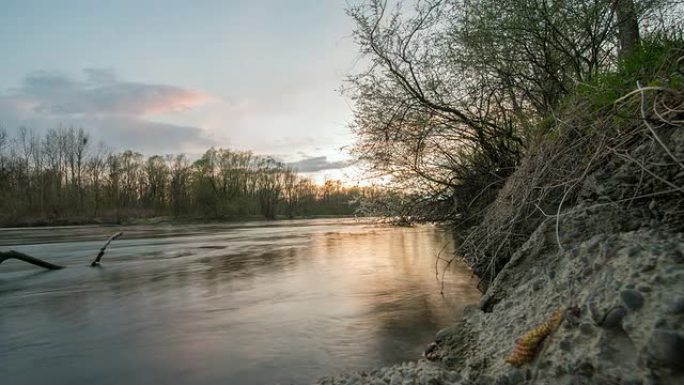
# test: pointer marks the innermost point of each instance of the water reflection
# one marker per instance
(257, 303)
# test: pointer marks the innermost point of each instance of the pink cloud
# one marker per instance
(56, 94)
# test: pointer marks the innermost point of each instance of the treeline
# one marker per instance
(61, 177)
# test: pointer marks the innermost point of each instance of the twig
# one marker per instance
(643, 167)
(642, 89)
(650, 128)
(27, 258)
(96, 262)
(439, 258)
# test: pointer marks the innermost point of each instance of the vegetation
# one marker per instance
(456, 91)
(60, 178)
(493, 113)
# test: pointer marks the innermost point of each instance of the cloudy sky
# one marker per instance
(166, 76)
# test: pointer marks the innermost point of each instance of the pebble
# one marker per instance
(614, 317)
(565, 345)
(516, 376)
(632, 299)
(484, 301)
(537, 285)
(667, 347)
(586, 328)
(676, 306)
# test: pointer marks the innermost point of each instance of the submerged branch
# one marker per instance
(97, 259)
(27, 258)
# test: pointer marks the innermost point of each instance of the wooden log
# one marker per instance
(27, 258)
(97, 259)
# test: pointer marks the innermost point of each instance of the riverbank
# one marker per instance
(591, 224)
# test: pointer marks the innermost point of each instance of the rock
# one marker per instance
(676, 306)
(537, 285)
(614, 317)
(484, 302)
(431, 351)
(632, 299)
(586, 328)
(667, 347)
(565, 345)
(396, 379)
(516, 376)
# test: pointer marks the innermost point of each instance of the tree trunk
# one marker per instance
(628, 26)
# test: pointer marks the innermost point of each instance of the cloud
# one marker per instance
(101, 93)
(318, 163)
(113, 111)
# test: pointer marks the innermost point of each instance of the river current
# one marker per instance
(243, 303)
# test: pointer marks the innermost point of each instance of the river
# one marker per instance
(244, 303)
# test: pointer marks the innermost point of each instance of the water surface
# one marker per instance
(251, 303)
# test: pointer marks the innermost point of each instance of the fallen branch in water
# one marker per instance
(96, 262)
(27, 258)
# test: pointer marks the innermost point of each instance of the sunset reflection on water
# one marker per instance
(260, 302)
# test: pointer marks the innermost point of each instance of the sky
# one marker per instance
(167, 76)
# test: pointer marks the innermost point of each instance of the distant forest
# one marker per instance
(59, 177)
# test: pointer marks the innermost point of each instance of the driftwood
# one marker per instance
(27, 258)
(51, 266)
(96, 261)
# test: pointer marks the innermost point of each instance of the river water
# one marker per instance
(250, 303)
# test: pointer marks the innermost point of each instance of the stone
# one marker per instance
(632, 299)
(565, 345)
(537, 285)
(614, 317)
(516, 376)
(586, 328)
(676, 306)
(484, 302)
(667, 347)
